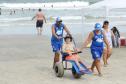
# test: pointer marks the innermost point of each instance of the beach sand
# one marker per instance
(27, 59)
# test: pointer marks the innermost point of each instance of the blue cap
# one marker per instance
(98, 26)
(58, 19)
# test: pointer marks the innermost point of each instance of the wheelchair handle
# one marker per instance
(77, 52)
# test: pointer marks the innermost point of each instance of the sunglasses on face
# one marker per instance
(59, 22)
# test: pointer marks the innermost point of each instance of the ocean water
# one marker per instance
(79, 21)
(20, 22)
(33, 1)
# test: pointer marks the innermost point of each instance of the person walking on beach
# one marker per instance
(57, 38)
(109, 35)
(97, 37)
(117, 36)
(40, 20)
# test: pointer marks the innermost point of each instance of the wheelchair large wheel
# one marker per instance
(75, 74)
(59, 69)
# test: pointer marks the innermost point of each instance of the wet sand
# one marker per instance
(27, 59)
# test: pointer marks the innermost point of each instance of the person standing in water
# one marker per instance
(14, 11)
(0, 11)
(11, 12)
(40, 20)
(109, 35)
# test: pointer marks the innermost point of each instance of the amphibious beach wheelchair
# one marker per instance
(60, 67)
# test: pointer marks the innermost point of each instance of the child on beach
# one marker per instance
(69, 48)
(98, 38)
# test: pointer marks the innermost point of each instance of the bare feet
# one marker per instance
(105, 65)
(100, 75)
(92, 70)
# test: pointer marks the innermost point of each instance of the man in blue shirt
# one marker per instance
(57, 38)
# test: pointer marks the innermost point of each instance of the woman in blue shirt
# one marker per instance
(97, 37)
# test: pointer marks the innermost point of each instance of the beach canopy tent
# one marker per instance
(112, 10)
(111, 4)
(108, 5)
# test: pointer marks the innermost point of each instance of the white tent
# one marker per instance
(109, 4)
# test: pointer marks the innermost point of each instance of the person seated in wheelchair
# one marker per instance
(68, 48)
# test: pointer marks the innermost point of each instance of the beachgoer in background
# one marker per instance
(11, 12)
(57, 38)
(52, 5)
(14, 11)
(117, 36)
(40, 20)
(109, 35)
(22, 9)
(0, 11)
(98, 38)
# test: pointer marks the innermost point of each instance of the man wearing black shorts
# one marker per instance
(40, 18)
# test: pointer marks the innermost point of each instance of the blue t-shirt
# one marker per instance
(97, 40)
(59, 32)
